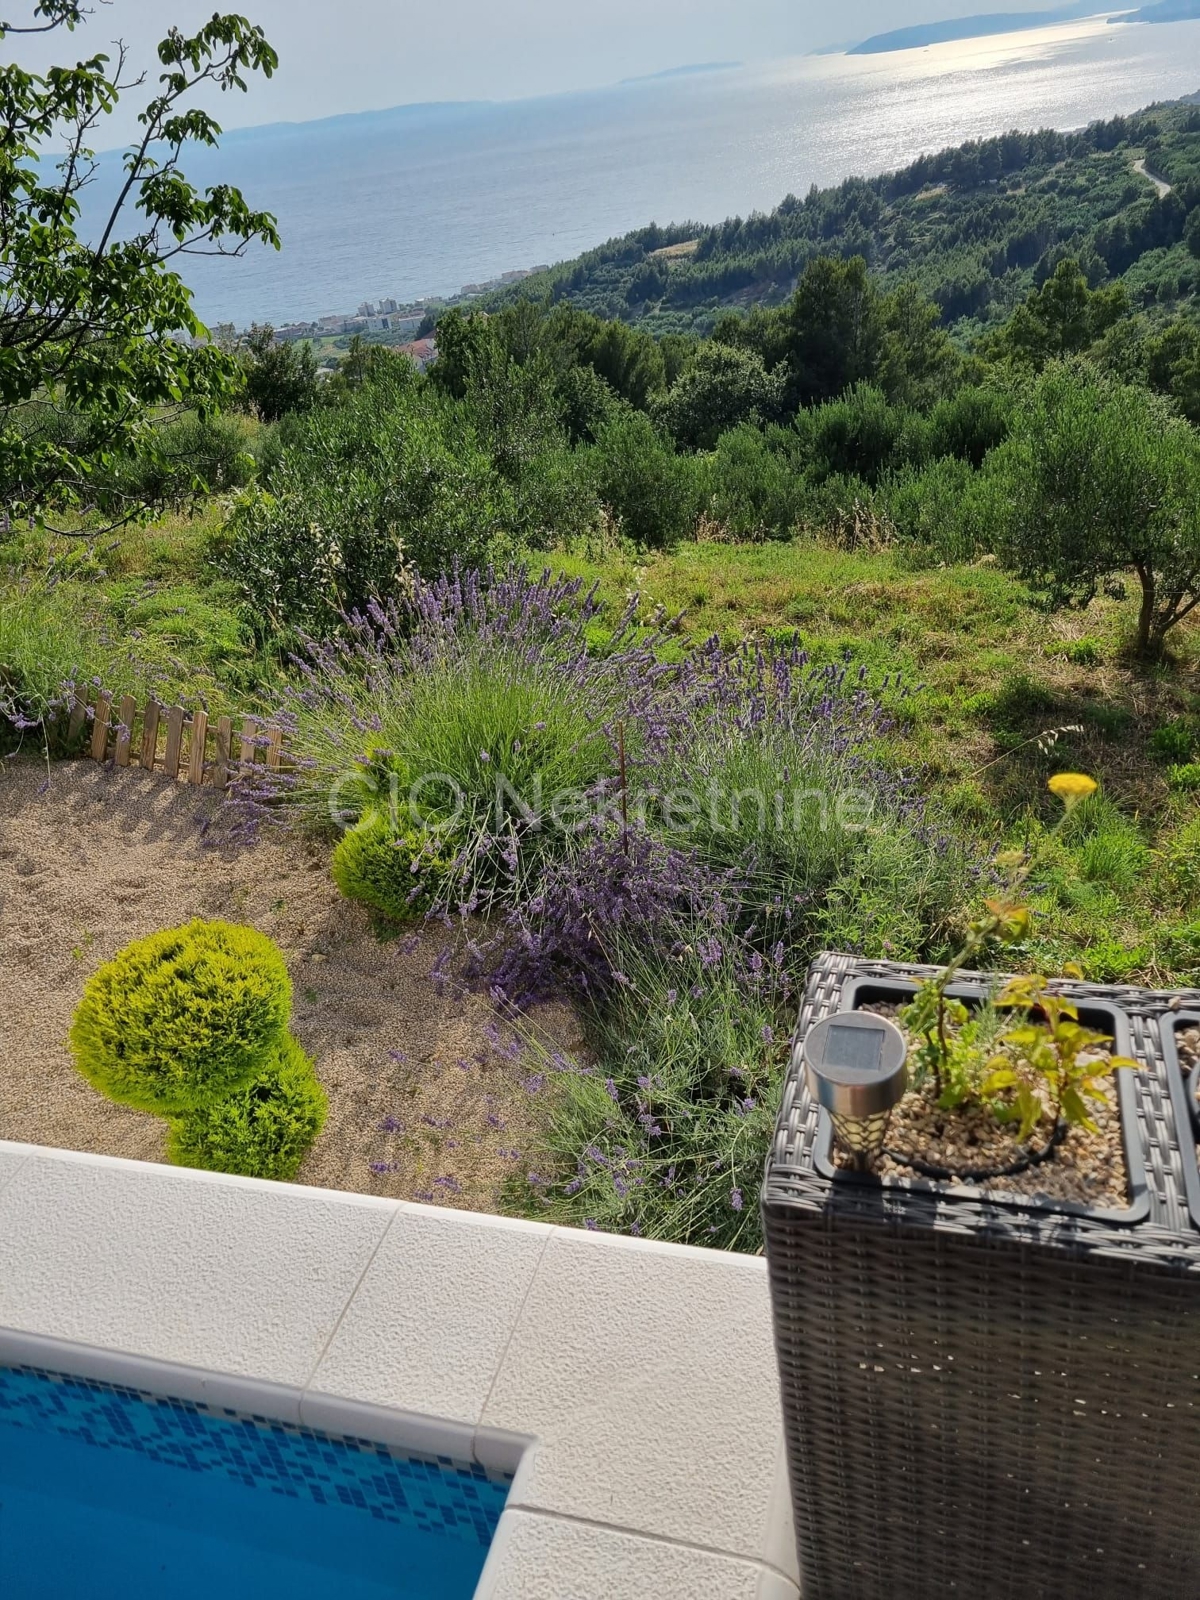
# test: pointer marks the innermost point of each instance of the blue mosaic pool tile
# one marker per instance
(433, 1493)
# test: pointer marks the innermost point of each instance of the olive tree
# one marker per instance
(1097, 479)
(99, 342)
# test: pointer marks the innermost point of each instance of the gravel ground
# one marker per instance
(429, 1098)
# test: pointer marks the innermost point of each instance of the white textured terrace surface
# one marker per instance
(632, 1386)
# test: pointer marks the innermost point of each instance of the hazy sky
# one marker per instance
(351, 55)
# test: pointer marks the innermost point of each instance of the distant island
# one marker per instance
(1163, 11)
(683, 72)
(923, 34)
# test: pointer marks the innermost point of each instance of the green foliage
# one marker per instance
(182, 1017)
(1185, 778)
(970, 422)
(721, 388)
(668, 1138)
(654, 495)
(1062, 318)
(1097, 479)
(90, 327)
(262, 1130)
(755, 491)
(456, 798)
(395, 475)
(1085, 653)
(394, 867)
(861, 435)
(1175, 741)
(278, 378)
(936, 510)
(45, 645)
(1050, 1067)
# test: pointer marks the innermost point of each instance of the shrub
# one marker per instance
(861, 435)
(497, 685)
(936, 510)
(720, 389)
(182, 1017)
(654, 494)
(358, 496)
(1174, 741)
(1084, 653)
(393, 869)
(755, 492)
(263, 1130)
(1185, 777)
(666, 1139)
(970, 423)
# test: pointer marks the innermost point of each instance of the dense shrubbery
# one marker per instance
(263, 1130)
(191, 1024)
(636, 829)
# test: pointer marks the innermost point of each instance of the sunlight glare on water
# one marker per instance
(422, 200)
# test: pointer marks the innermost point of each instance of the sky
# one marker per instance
(357, 55)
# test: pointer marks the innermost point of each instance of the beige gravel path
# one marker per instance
(423, 1103)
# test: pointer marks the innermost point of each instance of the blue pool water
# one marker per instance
(109, 1493)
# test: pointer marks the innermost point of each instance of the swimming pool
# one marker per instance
(110, 1493)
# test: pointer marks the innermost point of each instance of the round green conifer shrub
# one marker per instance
(182, 1018)
(394, 870)
(261, 1131)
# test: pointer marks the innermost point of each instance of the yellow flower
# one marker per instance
(1072, 787)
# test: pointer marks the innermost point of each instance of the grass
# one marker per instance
(141, 614)
(995, 673)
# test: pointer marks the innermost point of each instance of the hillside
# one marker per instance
(975, 226)
(926, 33)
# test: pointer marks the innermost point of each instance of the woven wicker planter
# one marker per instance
(988, 1397)
(1184, 1085)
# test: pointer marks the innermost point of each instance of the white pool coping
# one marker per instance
(631, 1387)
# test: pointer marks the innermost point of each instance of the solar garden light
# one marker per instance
(856, 1067)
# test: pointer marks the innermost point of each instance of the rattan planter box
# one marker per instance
(985, 1396)
(1185, 1083)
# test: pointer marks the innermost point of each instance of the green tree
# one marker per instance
(722, 388)
(1099, 478)
(1061, 318)
(96, 333)
(918, 363)
(830, 335)
(653, 493)
(279, 377)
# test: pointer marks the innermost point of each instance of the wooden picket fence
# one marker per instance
(173, 741)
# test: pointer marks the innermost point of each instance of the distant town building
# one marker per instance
(420, 352)
(367, 309)
(388, 307)
(293, 331)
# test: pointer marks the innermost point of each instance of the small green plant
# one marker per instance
(182, 1017)
(1084, 652)
(1050, 1066)
(1185, 777)
(396, 870)
(1174, 741)
(191, 1024)
(263, 1130)
(1045, 1067)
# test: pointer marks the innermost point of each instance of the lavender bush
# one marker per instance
(665, 1136)
(666, 834)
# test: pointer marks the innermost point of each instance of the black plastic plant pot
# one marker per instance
(986, 1394)
(1101, 1015)
(1185, 1086)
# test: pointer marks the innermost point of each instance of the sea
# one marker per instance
(422, 200)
